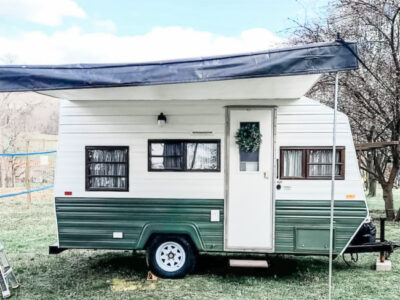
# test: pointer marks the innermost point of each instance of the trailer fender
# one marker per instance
(189, 229)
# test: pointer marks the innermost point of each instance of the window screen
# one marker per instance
(184, 155)
(107, 168)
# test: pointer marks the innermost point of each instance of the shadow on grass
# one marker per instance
(121, 262)
(83, 270)
(126, 264)
(78, 268)
(279, 266)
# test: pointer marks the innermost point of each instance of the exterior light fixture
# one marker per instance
(161, 119)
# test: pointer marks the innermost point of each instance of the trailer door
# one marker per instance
(249, 175)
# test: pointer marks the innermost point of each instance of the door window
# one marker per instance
(249, 161)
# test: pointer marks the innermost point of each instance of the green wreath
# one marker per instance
(248, 137)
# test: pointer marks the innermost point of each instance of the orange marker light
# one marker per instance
(350, 196)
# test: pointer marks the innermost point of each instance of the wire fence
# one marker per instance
(27, 154)
(27, 192)
(31, 170)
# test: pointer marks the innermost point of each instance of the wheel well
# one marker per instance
(184, 235)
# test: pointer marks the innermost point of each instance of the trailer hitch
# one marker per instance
(384, 247)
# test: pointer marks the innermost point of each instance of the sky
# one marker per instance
(105, 31)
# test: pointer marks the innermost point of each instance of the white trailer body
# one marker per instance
(152, 162)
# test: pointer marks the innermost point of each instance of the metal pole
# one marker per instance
(333, 186)
(382, 239)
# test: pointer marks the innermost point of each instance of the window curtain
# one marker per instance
(107, 155)
(172, 155)
(107, 163)
(324, 160)
(201, 156)
(293, 163)
(107, 169)
(108, 182)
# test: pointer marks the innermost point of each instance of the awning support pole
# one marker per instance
(331, 241)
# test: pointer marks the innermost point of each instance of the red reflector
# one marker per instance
(68, 193)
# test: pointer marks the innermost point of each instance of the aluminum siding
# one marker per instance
(90, 222)
(292, 214)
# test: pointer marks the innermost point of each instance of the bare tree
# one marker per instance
(21, 116)
(3, 126)
(13, 118)
(50, 126)
(369, 96)
(4, 120)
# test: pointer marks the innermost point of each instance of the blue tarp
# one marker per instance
(307, 59)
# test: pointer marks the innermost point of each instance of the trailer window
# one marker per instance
(293, 163)
(184, 155)
(107, 168)
(319, 163)
(311, 163)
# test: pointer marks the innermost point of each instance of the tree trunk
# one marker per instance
(388, 198)
(3, 172)
(398, 216)
(13, 171)
(3, 168)
(371, 179)
(371, 186)
(12, 177)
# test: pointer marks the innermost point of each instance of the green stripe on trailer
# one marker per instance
(302, 226)
(90, 222)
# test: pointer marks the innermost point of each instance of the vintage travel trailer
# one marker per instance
(217, 154)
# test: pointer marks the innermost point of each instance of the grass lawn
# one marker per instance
(376, 203)
(82, 274)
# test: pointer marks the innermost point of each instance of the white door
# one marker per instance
(249, 202)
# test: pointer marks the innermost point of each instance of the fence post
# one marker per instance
(27, 176)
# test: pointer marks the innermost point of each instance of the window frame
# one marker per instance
(184, 154)
(306, 163)
(87, 176)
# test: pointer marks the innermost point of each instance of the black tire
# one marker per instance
(179, 270)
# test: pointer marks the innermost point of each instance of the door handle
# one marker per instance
(265, 175)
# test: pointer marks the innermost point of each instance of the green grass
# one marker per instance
(81, 274)
(376, 203)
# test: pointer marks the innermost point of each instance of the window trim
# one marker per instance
(305, 163)
(184, 142)
(98, 189)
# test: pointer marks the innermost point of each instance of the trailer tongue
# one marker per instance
(384, 247)
(387, 247)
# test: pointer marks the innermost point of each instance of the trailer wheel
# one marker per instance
(170, 257)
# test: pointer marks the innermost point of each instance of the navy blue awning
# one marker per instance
(299, 60)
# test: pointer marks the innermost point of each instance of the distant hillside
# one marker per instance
(43, 117)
